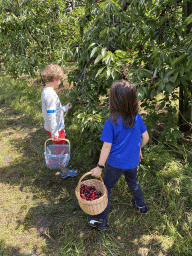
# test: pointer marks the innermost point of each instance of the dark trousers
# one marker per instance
(111, 177)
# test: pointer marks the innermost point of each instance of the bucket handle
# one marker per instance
(87, 173)
(45, 145)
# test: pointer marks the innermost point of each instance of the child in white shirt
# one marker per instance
(52, 109)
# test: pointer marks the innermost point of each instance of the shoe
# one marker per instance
(95, 222)
(143, 209)
(69, 173)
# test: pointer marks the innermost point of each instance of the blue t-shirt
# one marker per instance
(126, 142)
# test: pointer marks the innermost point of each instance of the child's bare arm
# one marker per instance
(105, 152)
(144, 140)
(103, 157)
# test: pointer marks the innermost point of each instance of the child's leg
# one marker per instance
(61, 136)
(110, 178)
(131, 179)
(65, 172)
(59, 150)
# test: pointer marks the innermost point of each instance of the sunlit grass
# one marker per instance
(31, 193)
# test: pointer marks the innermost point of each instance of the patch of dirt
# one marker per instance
(42, 223)
(2, 147)
(7, 159)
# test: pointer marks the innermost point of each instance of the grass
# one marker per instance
(39, 211)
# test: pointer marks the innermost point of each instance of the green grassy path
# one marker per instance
(39, 213)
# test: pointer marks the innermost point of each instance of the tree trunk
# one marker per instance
(185, 103)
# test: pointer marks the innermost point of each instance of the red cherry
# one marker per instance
(173, 95)
(89, 192)
(156, 87)
(119, 21)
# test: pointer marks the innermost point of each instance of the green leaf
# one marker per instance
(169, 88)
(107, 59)
(150, 3)
(162, 105)
(155, 73)
(147, 73)
(175, 76)
(99, 72)
(91, 45)
(183, 80)
(137, 72)
(188, 20)
(97, 59)
(108, 72)
(181, 71)
(172, 79)
(153, 93)
(103, 51)
(176, 133)
(160, 85)
(141, 92)
(120, 54)
(178, 60)
(188, 65)
(93, 52)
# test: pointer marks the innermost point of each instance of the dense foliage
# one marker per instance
(142, 41)
(34, 33)
(146, 42)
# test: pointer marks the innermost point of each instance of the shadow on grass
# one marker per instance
(59, 220)
(9, 250)
(66, 232)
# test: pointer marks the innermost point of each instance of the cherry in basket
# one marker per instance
(89, 193)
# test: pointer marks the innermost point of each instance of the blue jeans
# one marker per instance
(111, 177)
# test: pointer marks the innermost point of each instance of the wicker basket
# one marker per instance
(98, 205)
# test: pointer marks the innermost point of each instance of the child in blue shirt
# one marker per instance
(124, 134)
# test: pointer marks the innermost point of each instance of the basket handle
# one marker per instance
(87, 173)
(45, 145)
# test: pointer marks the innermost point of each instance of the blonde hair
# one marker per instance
(52, 72)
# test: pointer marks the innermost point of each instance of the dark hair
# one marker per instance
(123, 102)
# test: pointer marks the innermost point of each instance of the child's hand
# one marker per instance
(96, 172)
(69, 105)
(56, 138)
(141, 156)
